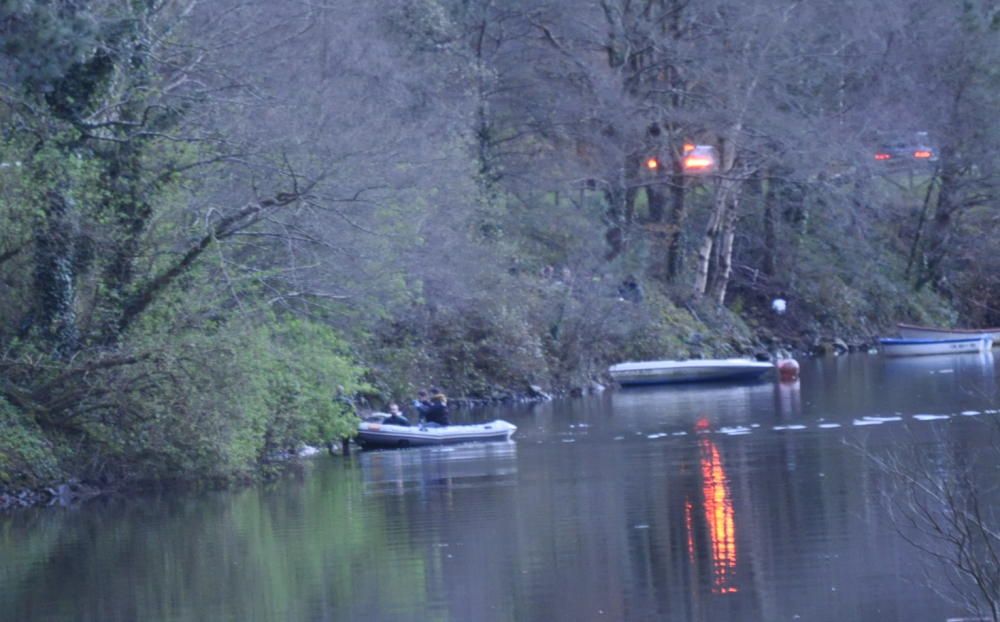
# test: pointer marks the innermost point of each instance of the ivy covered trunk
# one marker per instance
(55, 274)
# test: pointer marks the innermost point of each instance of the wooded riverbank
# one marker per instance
(225, 224)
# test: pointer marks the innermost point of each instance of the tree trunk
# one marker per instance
(939, 236)
(132, 214)
(657, 203)
(920, 225)
(711, 245)
(658, 233)
(770, 227)
(621, 209)
(55, 274)
(678, 214)
(724, 257)
(707, 248)
(613, 217)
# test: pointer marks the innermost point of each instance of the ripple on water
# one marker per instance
(735, 431)
(923, 417)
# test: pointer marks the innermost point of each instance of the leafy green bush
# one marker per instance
(215, 401)
(26, 456)
(305, 374)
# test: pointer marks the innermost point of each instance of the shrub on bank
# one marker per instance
(212, 402)
(26, 456)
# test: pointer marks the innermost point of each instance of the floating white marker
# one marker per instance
(735, 431)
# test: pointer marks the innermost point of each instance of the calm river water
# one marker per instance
(696, 503)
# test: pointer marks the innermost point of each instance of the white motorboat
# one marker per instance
(912, 331)
(374, 434)
(919, 347)
(704, 370)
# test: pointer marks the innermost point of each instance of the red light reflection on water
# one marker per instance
(719, 516)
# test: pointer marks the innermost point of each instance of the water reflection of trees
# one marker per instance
(854, 386)
(695, 528)
(296, 551)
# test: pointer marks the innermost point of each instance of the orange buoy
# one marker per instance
(788, 370)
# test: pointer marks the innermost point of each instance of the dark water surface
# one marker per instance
(707, 503)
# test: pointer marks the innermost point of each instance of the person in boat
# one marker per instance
(437, 413)
(396, 416)
(421, 405)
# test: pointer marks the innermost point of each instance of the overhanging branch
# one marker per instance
(222, 229)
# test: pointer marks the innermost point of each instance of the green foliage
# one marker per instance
(45, 39)
(545, 331)
(470, 352)
(217, 400)
(475, 258)
(26, 456)
(308, 378)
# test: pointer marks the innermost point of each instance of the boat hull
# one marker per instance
(910, 331)
(924, 347)
(676, 372)
(373, 435)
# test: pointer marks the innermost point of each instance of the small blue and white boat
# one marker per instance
(920, 347)
(374, 434)
(912, 331)
(702, 370)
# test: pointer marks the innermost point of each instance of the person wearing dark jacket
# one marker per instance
(396, 416)
(437, 413)
(421, 405)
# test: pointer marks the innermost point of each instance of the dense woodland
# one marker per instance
(224, 221)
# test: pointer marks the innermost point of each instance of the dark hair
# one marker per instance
(435, 390)
(422, 393)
